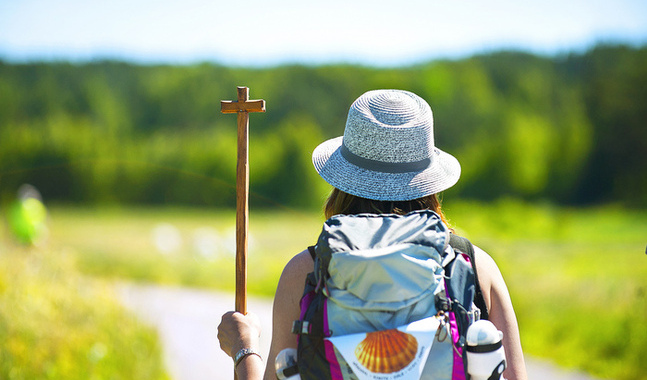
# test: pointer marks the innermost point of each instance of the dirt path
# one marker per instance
(186, 320)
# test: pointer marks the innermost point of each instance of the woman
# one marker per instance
(386, 162)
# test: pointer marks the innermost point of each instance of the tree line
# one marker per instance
(568, 129)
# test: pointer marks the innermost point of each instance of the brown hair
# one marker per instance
(340, 202)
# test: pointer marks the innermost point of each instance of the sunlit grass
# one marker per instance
(119, 243)
(57, 324)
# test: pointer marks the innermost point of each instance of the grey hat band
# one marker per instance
(384, 167)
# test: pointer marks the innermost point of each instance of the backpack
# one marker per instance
(390, 297)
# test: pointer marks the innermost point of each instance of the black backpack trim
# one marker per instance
(311, 249)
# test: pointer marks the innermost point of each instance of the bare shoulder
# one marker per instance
(302, 261)
(484, 261)
(488, 270)
(489, 274)
(292, 280)
(296, 269)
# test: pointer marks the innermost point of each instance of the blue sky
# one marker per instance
(265, 32)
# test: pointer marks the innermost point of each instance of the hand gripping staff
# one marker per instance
(243, 106)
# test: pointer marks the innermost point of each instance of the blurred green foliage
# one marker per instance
(568, 128)
(57, 324)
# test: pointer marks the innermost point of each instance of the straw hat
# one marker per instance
(387, 151)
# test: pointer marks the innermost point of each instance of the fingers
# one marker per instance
(237, 331)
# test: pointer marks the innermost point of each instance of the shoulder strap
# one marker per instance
(465, 246)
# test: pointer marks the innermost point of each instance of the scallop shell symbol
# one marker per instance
(386, 351)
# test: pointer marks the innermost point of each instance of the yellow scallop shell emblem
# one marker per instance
(387, 351)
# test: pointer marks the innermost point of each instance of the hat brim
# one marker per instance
(441, 174)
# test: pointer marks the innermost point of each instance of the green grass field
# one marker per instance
(57, 324)
(119, 243)
(578, 277)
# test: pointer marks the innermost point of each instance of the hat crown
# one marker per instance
(391, 126)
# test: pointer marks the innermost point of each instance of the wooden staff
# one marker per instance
(242, 107)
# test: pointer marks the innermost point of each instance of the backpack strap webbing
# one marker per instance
(465, 246)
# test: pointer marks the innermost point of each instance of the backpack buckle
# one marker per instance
(301, 327)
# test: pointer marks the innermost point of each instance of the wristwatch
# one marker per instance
(244, 352)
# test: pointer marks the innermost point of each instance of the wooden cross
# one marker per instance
(242, 107)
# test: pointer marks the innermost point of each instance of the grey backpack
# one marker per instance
(389, 298)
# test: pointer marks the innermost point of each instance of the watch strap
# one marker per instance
(242, 353)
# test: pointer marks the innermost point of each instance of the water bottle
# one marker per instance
(286, 365)
(485, 352)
